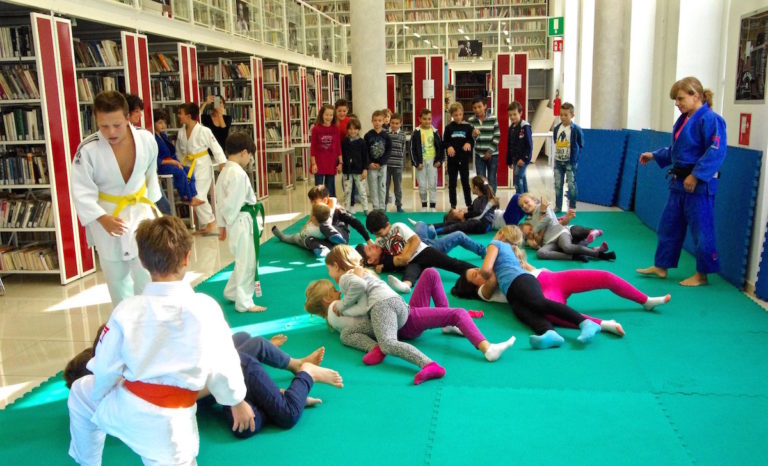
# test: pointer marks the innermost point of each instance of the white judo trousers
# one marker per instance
(95, 171)
(201, 139)
(233, 190)
(169, 336)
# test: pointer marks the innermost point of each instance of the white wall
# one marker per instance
(759, 137)
(570, 74)
(583, 102)
(640, 75)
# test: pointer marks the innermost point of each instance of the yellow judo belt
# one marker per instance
(254, 210)
(192, 160)
(121, 202)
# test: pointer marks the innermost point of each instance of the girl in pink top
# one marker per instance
(325, 149)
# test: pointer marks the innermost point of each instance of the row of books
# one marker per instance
(272, 113)
(19, 167)
(270, 75)
(94, 53)
(16, 41)
(26, 213)
(36, 256)
(293, 77)
(295, 111)
(295, 133)
(168, 88)
(311, 81)
(87, 121)
(274, 134)
(162, 63)
(271, 94)
(241, 113)
(237, 92)
(21, 124)
(212, 72)
(18, 82)
(89, 87)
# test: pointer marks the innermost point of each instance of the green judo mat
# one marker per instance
(687, 384)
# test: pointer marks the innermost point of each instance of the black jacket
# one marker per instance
(354, 156)
(417, 157)
(456, 135)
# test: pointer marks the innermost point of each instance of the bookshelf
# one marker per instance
(273, 14)
(166, 80)
(39, 133)
(214, 14)
(301, 142)
(314, 93)
(280, 166)
(259, 173)
(137, 80)
(233, 80)
(404, 101)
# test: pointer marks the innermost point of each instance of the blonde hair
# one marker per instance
(512, 235)
(691, 85)
(455, 107)
(344, 257)
(523, 197)
(315, 294)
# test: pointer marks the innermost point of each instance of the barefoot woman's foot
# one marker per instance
(196, 202)
(653, 270)
(209, 230)
(698, 279)
(253, 308)
(278, 340)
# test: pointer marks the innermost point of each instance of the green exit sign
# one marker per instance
(556, 26)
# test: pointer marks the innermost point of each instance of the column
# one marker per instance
(369, 83)
(609, 66)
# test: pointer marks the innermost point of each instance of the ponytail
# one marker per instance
(484, 187)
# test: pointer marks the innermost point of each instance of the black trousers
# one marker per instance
(531, 307)
(458, 165)
(470, 227)
(431, 257)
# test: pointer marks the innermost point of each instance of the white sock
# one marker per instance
(398, 285)
(612, 326)
(494, 352)
(453, 330)
(655, 301)
(412, 221)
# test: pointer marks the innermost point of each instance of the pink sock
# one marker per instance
(475, 314)
(374, 356)
(431, 371)
(602, 248)
(593, 234)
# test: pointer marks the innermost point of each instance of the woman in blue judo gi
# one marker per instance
(695, 156)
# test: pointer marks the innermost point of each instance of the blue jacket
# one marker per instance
(165, 148)
(519, 143)
(577, 141)
(701, 144)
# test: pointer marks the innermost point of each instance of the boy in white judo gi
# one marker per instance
(236, 215)
(144, 385)
(114, 187)
(192, 145)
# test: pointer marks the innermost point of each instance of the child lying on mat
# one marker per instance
(270, 404)
(357, 332)
(477, 218)
(557, 242)
(582, 236)
(143, 389)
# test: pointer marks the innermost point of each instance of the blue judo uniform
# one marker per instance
(700, 147)
(166, 150)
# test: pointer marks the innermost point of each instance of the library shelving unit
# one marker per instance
(325, 87)
(212, 13)
(468, 85)
(404, 100)
(259, 166)
(274, 22)
(232, 79)
(314, 93)
(280, 166)
(39, 233)
(300, 125)
(510, 81)
(166, 81)
(137, 80)
(425, 69)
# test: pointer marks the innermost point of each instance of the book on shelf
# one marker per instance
(94, 53)
(87, 121)
(274, 134)
(311, 80)
(166, 88)
(270, 75)
(23, 167)
(21, 124)
(162, 63)
(272, 112)
(293, 77)
(37, 256)
(18, 82)
(272, 93)
(89, 87)
(16, 41)
(241, 113)
(237, 91)
(18, 212)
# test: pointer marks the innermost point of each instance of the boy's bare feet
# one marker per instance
(254, 308)
(196, 202)
(698, 279)
(311, 401)
(315, 357)
(322, 375)
(278, 340)
(653, 270)
(209, 230)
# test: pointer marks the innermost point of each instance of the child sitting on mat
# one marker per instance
(143, 389)
(557, 242)
(321, 296)
(237, 212)
(388, 311)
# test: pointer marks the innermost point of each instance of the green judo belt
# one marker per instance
(254, 210)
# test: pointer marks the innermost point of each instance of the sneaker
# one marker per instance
(400, 209)
(432, 205)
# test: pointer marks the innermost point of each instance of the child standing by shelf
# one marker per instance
(519, 146)
(168, 164)
(569, 141)
(114, 187)
(236, 215)
(458, 141)
(379, 149)
(325, 149)
(354, 152)
(427, 157)
(487, 136)
(395, 162)
(193, 142)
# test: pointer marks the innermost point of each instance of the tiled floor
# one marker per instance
(44, 324)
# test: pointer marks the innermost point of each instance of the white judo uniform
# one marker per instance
(169, 336)
(96, 176)
(233, 190)
(194, 150)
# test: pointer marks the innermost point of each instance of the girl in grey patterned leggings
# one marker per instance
(388, 311)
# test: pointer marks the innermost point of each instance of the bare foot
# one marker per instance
(315, 357)
(196, 202)
(209, 229)
(653, 270)
(255, 308)
(322, 375)
(311, 401)
(698, 279)
(278, 340)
